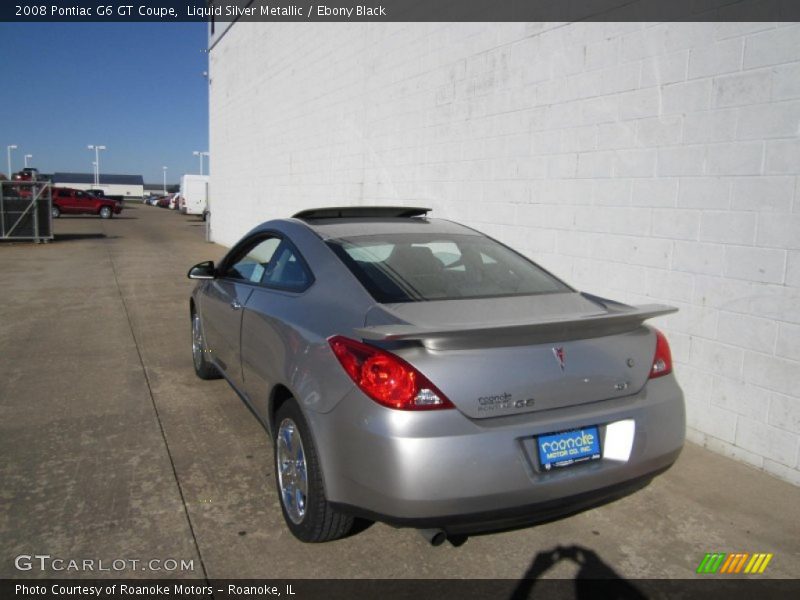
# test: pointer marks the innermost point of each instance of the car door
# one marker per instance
(269, 338)
(85, 203)
(226, 296)
(66, 201)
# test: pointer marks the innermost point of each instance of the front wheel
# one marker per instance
(306, 510)
(105, 212)
(56, 212)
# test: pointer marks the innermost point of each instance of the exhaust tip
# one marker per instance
(435, 537)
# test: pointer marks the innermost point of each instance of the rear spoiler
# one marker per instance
(615, 321)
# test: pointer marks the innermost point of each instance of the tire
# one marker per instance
(306, 510)
(105, 212)
(56, 212)
(202, 367)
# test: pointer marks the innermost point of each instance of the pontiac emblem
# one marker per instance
(560, 356)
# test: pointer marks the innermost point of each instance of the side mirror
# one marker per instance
(203, 270)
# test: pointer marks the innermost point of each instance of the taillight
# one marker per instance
(662, 361)
(386, 378)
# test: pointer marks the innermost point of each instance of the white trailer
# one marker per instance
(194, 189)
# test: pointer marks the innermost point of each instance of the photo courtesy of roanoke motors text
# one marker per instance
(413, 299)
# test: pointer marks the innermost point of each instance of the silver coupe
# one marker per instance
(417, 372)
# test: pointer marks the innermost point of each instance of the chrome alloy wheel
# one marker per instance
(197, 341)
(292, 474)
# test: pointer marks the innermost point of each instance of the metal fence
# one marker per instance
(26, 211)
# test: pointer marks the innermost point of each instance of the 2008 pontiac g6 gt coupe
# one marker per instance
(417, 372)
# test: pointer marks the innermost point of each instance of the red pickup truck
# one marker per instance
(71, 202)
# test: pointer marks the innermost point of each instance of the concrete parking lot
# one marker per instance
(111, 448)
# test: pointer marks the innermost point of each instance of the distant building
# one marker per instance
(157, 189)
(123, 186)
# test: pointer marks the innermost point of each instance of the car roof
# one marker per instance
(376, 220)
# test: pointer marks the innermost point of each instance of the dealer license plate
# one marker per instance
(568, 447)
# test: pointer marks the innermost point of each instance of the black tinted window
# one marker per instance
(255, 262)
(271, 262)
(415, 267)
(286, 270)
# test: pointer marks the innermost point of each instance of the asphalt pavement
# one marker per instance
(112, 450)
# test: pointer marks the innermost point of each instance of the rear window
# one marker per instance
(418, 267)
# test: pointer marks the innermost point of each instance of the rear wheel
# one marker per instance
(105, 212)
(56, 212)
(202, 367)
(306, 510)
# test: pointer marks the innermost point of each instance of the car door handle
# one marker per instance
(235, 305)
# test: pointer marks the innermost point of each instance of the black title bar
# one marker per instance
(399, 10)
(397, 589)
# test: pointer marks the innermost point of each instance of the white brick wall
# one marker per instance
(645, 162)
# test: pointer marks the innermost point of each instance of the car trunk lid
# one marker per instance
(516, 355)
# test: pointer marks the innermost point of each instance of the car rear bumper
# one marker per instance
(515, 516)
(442, 469)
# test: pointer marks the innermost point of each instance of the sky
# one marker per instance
(136, 88)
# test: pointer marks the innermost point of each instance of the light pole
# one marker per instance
(27, 156)
(165, 179)
(97, 162)
(8, 150)
(201, 155)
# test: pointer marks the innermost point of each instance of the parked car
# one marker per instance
(101, 194)
(27, 174)
(70, 201)
(415, 371)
